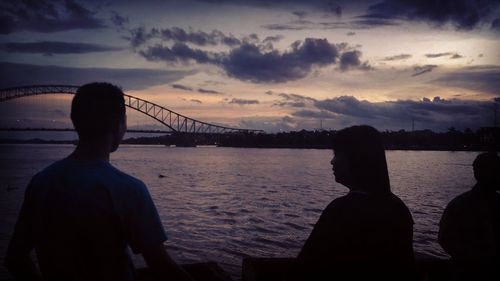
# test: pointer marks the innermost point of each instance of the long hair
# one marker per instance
(365, 149)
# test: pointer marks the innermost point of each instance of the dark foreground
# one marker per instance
(276, 269)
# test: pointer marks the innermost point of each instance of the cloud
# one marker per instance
(397, 57)
(485, 79)
(249, 63)
(243, 101)
(14, 75)
(181, 87)
(119, 21)
(419, 70)
(291, 100)
(358, 23)
(495, 25)
(350, 60)
(329, 6)
(196, 101)
(138, 36)
(350, 33)
(463, 14)
(275, 38)
(206, 91)
(439, 55)
(436, 114)
(314, 114)
(46, 16)
(179, 52)
(263, 64)
(281, 26)
(54, 47)
(300, 14)
(456, 56)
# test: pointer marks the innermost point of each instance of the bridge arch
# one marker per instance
(173, 120)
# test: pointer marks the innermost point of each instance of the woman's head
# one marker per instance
(359, 161)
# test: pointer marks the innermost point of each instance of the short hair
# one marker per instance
(486, 167)
(96, 109)
(365, 149)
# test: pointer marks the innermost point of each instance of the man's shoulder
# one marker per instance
(461, 201)
(101, 171)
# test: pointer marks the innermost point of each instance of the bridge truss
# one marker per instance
(174, 121)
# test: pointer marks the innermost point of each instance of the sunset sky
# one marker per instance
(271, 65)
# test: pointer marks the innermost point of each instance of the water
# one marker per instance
(224, 204)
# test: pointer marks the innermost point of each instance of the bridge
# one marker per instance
(176, 122)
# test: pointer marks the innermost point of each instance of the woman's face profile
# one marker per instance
(341, 168)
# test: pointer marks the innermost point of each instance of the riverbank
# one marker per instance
(452, 140)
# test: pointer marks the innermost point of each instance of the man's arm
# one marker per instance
(163, 266)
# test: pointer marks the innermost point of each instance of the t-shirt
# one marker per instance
(80, 216)
(360, 235)
(470, 226)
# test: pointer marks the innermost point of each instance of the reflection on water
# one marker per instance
(224, 204)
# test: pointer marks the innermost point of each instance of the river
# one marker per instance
(224, 204)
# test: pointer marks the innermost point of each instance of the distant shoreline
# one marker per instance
(484, 139)
(392, 147)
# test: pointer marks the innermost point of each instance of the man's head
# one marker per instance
(487, 169)
(98, 112)
(359, 160)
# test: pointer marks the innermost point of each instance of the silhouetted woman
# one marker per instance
(368, 233)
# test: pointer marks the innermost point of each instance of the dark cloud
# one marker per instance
(291, 100)
(275, 38)
(182, 87)
(258, 64)
(54, 47)
(397, 57)
(249, 63)
(314, 114)
(13, 75)
(329, 6)
(295, 97)
(419, 70)
(358, 23)
(456, 56)
(485, 79)
(495, 25)
(119, 21)
(179, 52)
(437, 55)
(196, 101)
(300, 14)
(281, 26)
(364, 23)
(436, 114)
(350, 60)
(138, 36)
(206, 91)
(350, 33)
(46, 16)
(463, 14)
(243, 101)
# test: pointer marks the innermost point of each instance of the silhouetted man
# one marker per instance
(470, 226)
(366, 234)
(81, 213)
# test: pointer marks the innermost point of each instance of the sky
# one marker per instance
(270, 65)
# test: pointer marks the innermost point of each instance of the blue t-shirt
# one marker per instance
(81, 215)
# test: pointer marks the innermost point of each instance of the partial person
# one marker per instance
(469, 230)
(81, 214)
(366, 234)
